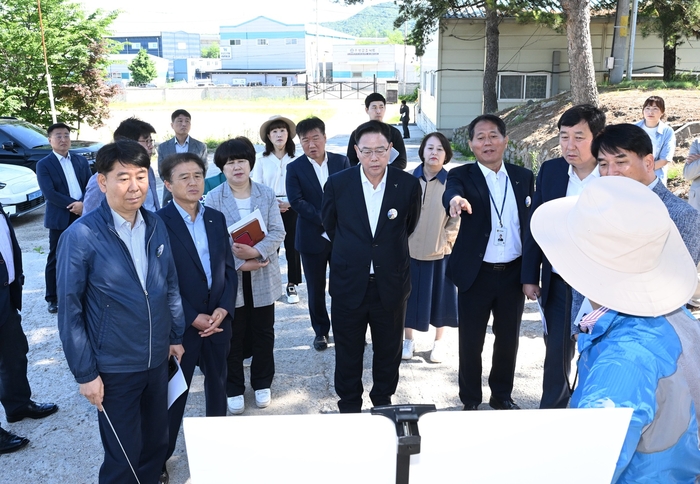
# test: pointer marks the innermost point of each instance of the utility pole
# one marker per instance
(633, 33)
(620, 41)
(46, 64)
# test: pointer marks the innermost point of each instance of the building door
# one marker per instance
(284, 81)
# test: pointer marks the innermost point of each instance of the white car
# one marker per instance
(19, 190)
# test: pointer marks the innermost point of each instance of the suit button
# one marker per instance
(206, 301)
(6, 284)
(376, 267)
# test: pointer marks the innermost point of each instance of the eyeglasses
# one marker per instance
(366, 152)
(148, 141)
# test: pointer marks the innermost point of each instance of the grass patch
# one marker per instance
(410, 98)
(463, 150)
(682, 81)
(675, 171)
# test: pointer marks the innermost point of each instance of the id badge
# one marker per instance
(500, 239)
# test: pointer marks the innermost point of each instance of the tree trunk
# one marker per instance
(669, 60)
(581, 69)
(491, 66)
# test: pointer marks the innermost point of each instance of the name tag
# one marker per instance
(500, 239)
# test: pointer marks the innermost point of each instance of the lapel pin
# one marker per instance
(159, 251)
(517, 182)
(392, 214)
(396, 185)
(528, 201)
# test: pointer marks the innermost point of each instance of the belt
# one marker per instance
(500, 266)
(372, 278)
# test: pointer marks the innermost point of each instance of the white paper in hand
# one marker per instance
(177, 385)
(544, 321)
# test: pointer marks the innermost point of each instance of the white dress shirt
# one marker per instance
(198, 232)
(73, 186)
(499, 185)
(135, 240)
(321, 170)
(6, 249)
(576, 185)
(272, 172)
(373, 202)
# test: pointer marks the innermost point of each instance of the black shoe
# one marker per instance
(33, 410)
(164, 477)
(471, 406)
(320, 343)
(503, 404)
(10, 442)
(53, 307)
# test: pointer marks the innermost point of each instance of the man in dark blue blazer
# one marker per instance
(208, 283)
(62, 177)
(369, 211)
(15, 392)
(493, 199)
(306, 177)
(560, 177)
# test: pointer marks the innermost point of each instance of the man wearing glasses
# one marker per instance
(369, 211)
(375, 107)
(136, 130)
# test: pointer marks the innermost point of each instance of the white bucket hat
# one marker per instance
(292, 128)
(617, 245)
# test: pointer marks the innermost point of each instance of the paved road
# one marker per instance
(66, 448)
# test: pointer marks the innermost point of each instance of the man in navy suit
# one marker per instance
(208, 283)
(15, 392)
(306, 177)
(493, 199)
(369, 211)
(560, 177)
(62, 177)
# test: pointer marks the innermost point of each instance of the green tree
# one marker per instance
(77, 51)
(395, 37)
(211, 51)
(142, 68)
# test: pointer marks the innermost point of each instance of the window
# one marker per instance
(153, 45)
(356, 74)
(262, 42)
(433, 82)
(136, 45)
(291, 41)
(234, 42)
(520, 87)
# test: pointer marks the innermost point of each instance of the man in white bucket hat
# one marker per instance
(617, 245)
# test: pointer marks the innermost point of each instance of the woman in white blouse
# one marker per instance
(259, 280)
(271, 170)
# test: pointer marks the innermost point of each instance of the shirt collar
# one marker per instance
(119, 221)
(364, 179)
(594, 174)
(485, 170)
(185, 215)
(441, 176)
(314, 162)
(185, 143)
(652, 185)
(60, 157)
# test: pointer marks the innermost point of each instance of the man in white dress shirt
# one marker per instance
(62, 177)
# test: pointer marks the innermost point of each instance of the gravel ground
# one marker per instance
(66, 447)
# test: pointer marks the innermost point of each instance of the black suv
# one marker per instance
(23, 144)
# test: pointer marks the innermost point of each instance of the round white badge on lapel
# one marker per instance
(528, 202)
(392, 214)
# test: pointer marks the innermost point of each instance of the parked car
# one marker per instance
(19, 190)
(23, 143)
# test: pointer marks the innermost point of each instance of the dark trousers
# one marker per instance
(406, 133)
(289, 219)
(261, 322)
(556, 391)
(211, 356)
(50, 272)
(500, 292)
(14, 386)
(137, 406)
(349, 328)
(315, 266)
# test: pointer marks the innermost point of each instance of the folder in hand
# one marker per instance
(250, 234)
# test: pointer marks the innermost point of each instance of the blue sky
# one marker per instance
(205, 16)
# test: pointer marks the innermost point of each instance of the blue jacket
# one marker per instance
(107, 322)
(647, 364)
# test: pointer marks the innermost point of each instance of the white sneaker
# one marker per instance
(438, 353)
(407, 352)
(292, 296)
(247, 362)
(236, 404)
(262, 397)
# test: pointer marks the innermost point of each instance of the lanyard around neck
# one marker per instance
(503, 204)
